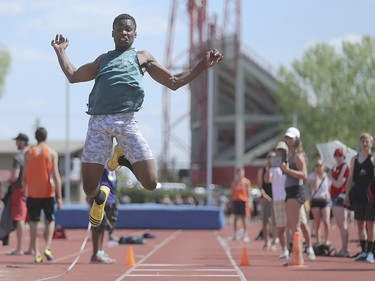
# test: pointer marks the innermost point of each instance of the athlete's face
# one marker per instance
(290, 142)
(123, 34)
(20, 144)
(339, 159)
(365, 144)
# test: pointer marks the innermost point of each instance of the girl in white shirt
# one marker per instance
(320, 200)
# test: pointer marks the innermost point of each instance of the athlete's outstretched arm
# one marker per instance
(162, 75)
(84, 73)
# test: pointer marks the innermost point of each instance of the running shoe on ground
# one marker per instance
(370, 257)
(342, 254)
(272, 248)
(101, 253)
(48, 254)
(113, 163)
(38, 259)
(234, 237)
(29, 252)
(284, 255)
(361, 257)
(15, 253)
(97, 211)
(310, 254)
(267, 246)
(101, 259)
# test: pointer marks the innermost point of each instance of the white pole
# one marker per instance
(210, 95)
(295, 119)
(67, 143)
(240, 116)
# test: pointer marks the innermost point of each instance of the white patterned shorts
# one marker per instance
(124, 128)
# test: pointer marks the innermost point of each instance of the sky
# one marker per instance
(35, 89)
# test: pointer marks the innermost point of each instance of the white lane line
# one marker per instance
(184, 269)
(76, 259)
(183, 275)
(69, 238)
(69, 256)
(158, 247)
(168, 264)
(75, 253)
(229, 255)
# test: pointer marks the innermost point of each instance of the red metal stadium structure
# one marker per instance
(233, 114)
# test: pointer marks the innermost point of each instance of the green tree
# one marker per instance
(4, 67)
(332, 92)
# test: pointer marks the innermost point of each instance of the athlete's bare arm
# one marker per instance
(84, 73)
(56, 177)
(174, 81)
(24, 172)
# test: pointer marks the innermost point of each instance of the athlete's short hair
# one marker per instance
(41, 134)
(124, 17)
(366, 135)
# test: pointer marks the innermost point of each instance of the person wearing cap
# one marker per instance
(295, 171)
(338, 177)
(18, 201)
(360, 174)
(276, 177)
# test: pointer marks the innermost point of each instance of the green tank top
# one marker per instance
(117, 87)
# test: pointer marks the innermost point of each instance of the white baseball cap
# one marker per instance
(293, 133)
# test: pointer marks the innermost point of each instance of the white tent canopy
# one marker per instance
(326, 151)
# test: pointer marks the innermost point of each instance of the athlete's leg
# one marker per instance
(146, 173)
(50, 227)
(97, 149)
(293, 209)
(91, 175)
(341, 214)
(370, 231)
(282, 237)
(235, 222)
(20, 226)
(317, 218)
(326, 212)
(97, 235)
(137, 151)
(34, 237)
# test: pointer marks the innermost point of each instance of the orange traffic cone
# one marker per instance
(130, 261)
(244, 258)
(297, 255)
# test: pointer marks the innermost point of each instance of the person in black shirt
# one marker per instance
(360, 175)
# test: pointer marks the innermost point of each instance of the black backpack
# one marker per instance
(322, 249)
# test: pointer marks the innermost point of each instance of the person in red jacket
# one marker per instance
(338, 177)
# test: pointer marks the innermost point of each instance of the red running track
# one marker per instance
(199, 255)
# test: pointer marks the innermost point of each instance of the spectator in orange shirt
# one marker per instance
(240, 201)
(41, 164)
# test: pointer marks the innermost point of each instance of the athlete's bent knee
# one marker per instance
(150, 185)
(91, 191)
